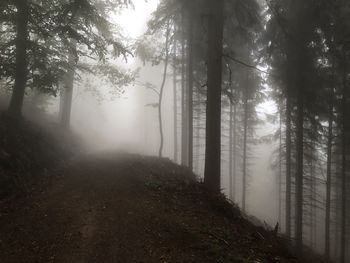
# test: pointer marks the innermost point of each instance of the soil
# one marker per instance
(115, 208)
(57, 205)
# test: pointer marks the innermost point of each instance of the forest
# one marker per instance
(174, 131)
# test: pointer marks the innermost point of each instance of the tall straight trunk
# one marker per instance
(343, 171)
(69, 87)
(198, 134)
(337, 218)
(213, 115)
(234, 152)
(314, 207)
(311, 200)
(299, 173)
(175, 98)
(166, 62)
(190, 88)
(61, 106)
(21, 71)
(294, 15)
(184, 130)
(329, 171)
(230, 149)
(245, 137)
(288, 164)
(280, 173)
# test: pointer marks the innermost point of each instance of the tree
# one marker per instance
(213, 115)
(329, 167)
(184, 109)
(86, 17)
(44, 33)
(190, 80)
(166, 61)
(175, 96)
(231, 146)
(67, 95)
(21, 64)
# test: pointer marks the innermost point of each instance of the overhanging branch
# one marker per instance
(245, 64)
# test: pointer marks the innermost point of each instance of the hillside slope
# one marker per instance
(29, 151)
(111, 208)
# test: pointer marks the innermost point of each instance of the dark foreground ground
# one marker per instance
(55, 207)
(128, 209)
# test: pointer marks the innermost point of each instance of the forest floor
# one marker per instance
(126, 208)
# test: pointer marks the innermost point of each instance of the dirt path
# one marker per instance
(113, 209)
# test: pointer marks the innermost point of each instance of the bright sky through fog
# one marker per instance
(121, 117)
(134, 20)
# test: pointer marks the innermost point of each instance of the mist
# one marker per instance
(248, 99)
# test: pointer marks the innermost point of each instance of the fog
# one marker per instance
(125, 123)
(259, 89)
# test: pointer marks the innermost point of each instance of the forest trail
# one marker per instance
(110, 208)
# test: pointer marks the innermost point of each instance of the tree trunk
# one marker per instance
(312, 197)
(280, 172)
(288, 164)
(190, 88)
(245, 135)
(175, 98)
(337, 219)
(213, 114)
(234, 152)
(198, 133)
(183, 94)
(299, 174)
(21, 71)
(329, 172)
(69, 87)
(166, 62)
(231, 151)
(343, 171)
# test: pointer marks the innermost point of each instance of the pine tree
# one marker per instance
(212, 171)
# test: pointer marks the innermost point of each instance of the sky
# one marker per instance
(134, 20)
